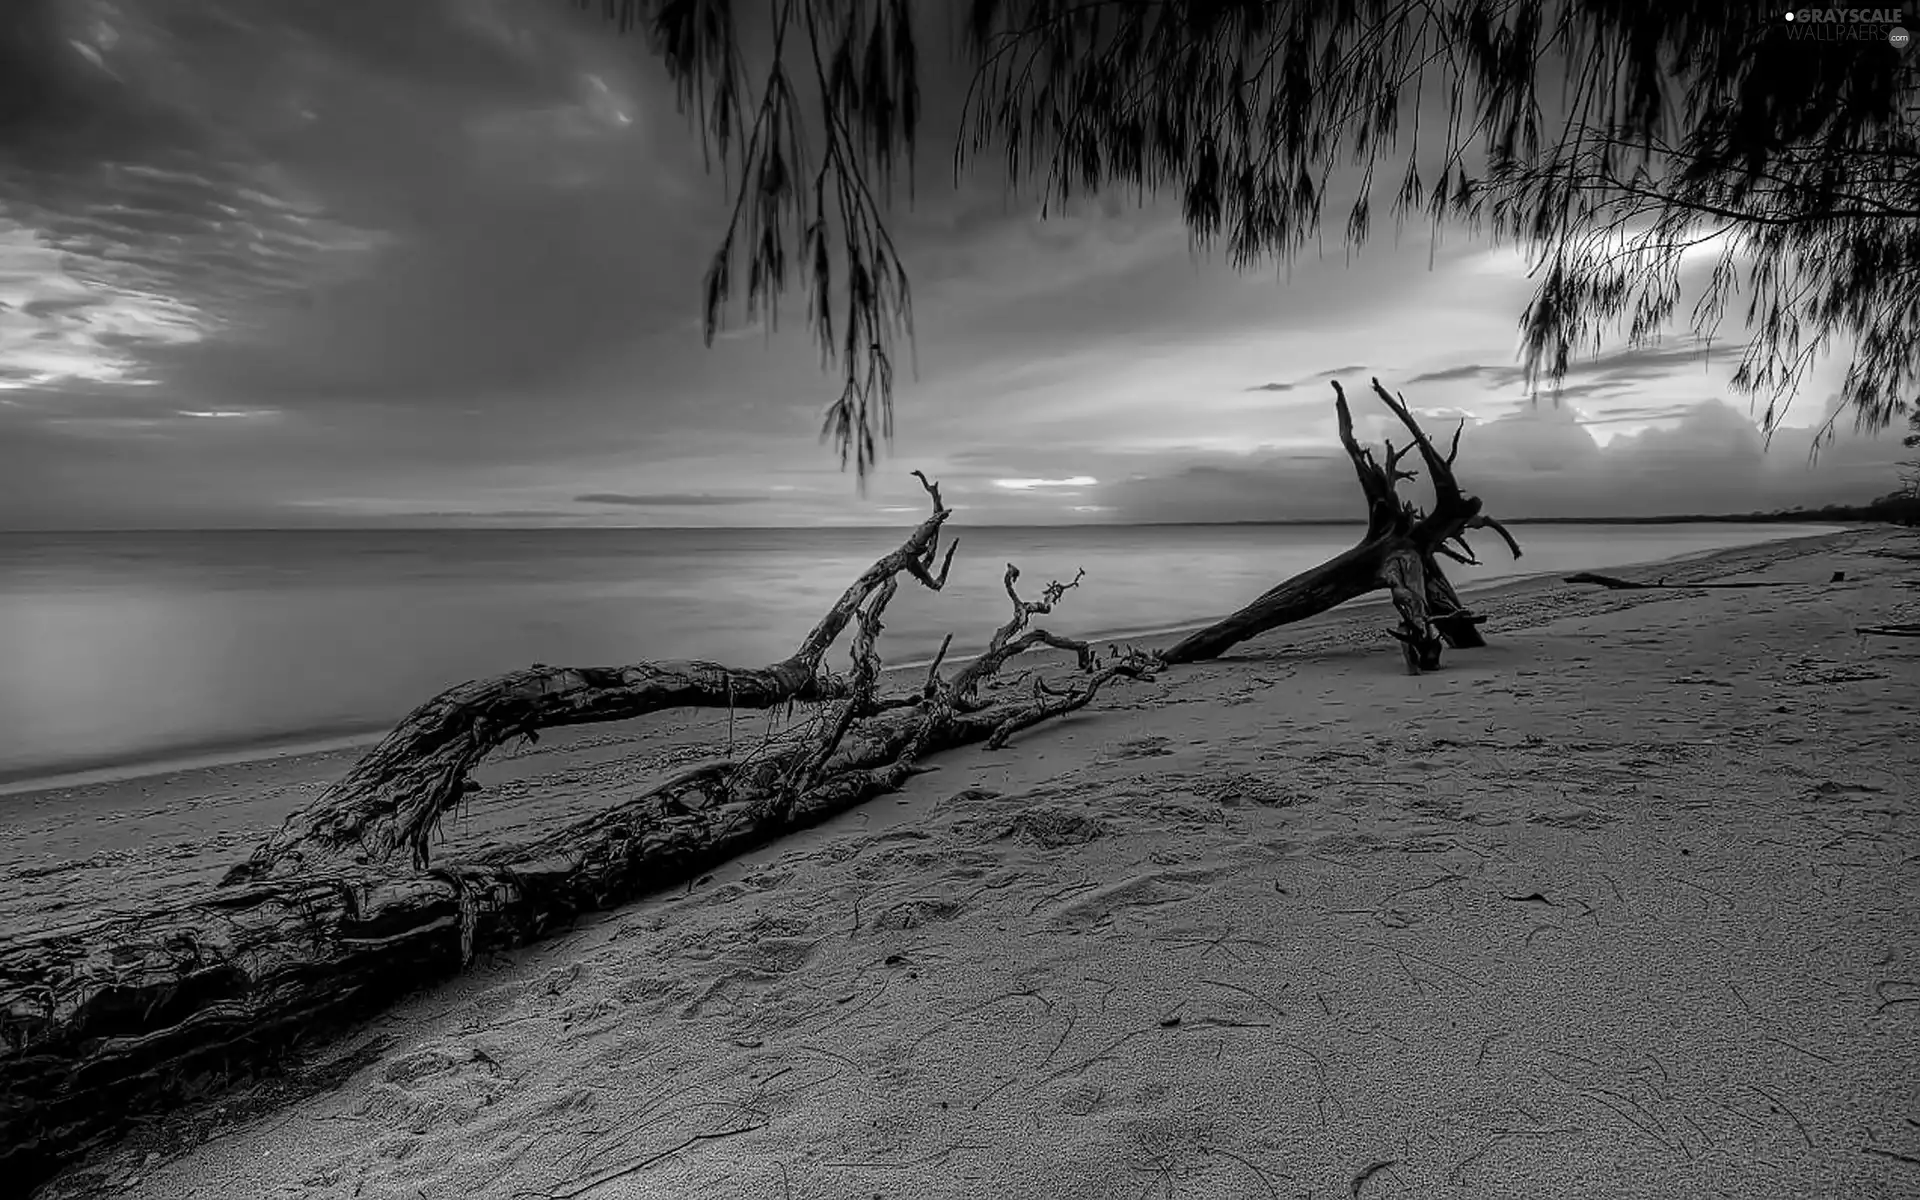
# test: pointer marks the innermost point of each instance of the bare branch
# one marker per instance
(1683, 124)
(1135, 666)
(1485, 522)
(396, 796)
(1439, 469)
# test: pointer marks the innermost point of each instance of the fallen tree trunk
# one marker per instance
(1399, 553)
(327, 923)
(121, 1020)
(398, 793)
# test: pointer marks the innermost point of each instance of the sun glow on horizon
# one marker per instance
(1027, 485)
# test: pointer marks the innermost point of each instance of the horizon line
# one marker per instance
(1762, 517)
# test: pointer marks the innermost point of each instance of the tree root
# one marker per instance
(1399, 552)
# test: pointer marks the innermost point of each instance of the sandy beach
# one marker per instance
(1623, 905)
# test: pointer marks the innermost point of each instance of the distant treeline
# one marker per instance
(1899, 508)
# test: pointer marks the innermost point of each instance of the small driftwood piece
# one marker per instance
(1628, 585)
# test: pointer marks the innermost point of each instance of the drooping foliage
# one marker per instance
(1616, 141)
(1910, 470)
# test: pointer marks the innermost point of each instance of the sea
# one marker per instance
(122, 653)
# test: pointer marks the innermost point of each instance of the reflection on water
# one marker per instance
(124, 647)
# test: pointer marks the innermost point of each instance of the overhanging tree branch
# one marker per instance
(1676, 114)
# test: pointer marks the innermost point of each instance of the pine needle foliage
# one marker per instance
(1616, 141)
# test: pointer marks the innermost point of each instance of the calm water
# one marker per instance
(125, 648)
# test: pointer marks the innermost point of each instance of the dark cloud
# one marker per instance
(1470, 371)
(1639, 414)
(316, 261)
(1609, 371)
(1336, 373)
(354, 198)
(50, 308)
(666, 499)
(1264, 488)
(1542, 463)
(1656, 362)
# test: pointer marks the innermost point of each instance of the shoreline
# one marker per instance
(321, 745)
(1621, 903)
(70, 853)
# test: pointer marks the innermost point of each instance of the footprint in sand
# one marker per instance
(968, 798)
(750, 971)
(1830, 790)
(771, 957)
(1144, 747)
(1155, 889)
(918, 911)
(435, 1086)
(1050, 827)
(494, 1005)
(1234, 790)
(1079, 1098)
(560, 980)
(1572, 816)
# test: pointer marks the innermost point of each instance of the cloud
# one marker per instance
(347, 203)
(1610, 369)
(1027, 485)
(1706, 458)
(1336, 373)
(1470, 371)
(1639, 414)
(666, 499)
(442, 261)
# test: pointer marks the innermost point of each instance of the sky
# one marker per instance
(286, 263)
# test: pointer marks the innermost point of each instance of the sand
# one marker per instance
(1623, 905)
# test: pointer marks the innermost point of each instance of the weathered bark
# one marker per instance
(1398, 553)
(1459, 626)
(122, 1019)
(328, 922)
(397, 795)
(1353, 573)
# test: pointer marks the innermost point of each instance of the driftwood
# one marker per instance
(342, 910)
(1399, 552)
(330, 921)
(1627, 585)
(396, 796)
(1910, 629)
